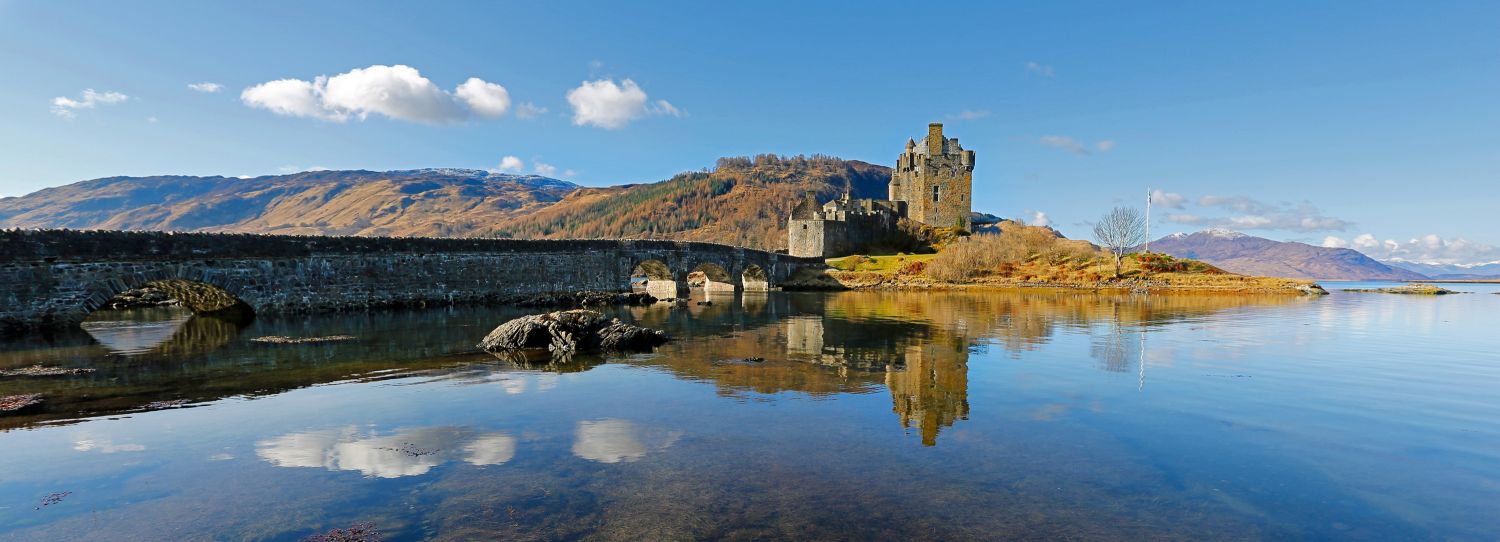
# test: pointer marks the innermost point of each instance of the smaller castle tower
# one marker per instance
(935, 178)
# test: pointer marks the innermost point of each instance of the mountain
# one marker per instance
(1249, 255)
(742, 201)
(1478, 271)
(435, 202)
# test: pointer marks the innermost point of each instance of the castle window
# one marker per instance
(804, 226)
(935, 193)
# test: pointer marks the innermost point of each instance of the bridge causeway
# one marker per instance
(55, 278)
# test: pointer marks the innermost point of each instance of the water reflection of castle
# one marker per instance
(928, 379)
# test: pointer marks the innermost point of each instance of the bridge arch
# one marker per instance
(654, 277)
(205, 294)
(711, 277)
(755, 279)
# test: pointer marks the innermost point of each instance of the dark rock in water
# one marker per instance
(582, 299)
(12, 403)
(741, 361)
(136, 298)
(571, 331)
(706, 302)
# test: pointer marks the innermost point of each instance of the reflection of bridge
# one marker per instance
(55, 278)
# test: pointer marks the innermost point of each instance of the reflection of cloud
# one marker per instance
(407, 452)
(105, 446)
(614, 440)
(492, 449)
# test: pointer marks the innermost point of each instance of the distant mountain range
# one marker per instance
(1450, 271)
(428, 202)
(741, 201)
(1249, 255)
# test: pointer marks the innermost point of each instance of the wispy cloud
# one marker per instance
(205, 87)
(397, 92)
(68, 108)
(1039, 69)
(1246, 213)
(545, 169)
(1170, 200)
(1074, 146)
(528, 110)
(969, 114)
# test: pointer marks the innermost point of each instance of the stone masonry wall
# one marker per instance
(55, 278)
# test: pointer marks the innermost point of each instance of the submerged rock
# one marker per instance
(571, 331)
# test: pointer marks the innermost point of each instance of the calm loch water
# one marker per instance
(996, 415)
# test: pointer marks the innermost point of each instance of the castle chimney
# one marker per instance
(935, 139)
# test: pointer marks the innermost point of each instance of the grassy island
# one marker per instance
(1036, 257)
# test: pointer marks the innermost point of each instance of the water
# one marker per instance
(997, 415)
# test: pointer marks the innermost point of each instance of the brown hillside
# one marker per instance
(743, 201)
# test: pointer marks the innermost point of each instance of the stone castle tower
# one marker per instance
(935, 178)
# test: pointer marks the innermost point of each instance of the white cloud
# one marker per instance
(404, 452)
(529, 110)
(1170, 200)
(609, 105)
(1335, 242)
(1105, 145)
(511, 163)
(1038, 218)
(293, 98)
(484, 98)
(1039, 69)
(398, 92)
(969, 114)
(152, 120)
(1251, 214)
(205, 87)
(548, 170)
(67, 108)
(569, 173)
(1430, 248)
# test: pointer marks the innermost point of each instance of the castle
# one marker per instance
(932, 184)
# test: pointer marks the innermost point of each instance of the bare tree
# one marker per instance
(1120, 230)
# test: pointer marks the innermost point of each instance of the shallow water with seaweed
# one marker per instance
(841, 416)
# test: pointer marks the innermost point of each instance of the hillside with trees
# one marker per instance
(742, 201)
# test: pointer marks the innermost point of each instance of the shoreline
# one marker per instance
(835, 280)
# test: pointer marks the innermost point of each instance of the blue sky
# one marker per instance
(1374, 124)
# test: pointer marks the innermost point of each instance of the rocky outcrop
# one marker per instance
(571, 331)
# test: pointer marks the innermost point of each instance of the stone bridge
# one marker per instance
(55, 278)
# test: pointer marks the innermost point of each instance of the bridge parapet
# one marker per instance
(51, 278)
